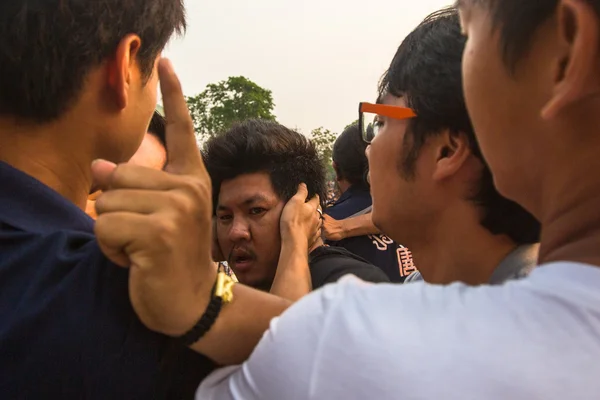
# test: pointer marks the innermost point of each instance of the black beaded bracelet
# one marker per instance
(221, 293)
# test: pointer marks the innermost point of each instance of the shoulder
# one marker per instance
(63, 283)
(321, 340)
(328, 264)
(465, 337)
(414, 277)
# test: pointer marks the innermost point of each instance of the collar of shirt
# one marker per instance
(350, 192)
(28, 204)
(353, 200)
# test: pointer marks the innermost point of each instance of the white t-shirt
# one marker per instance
(537, 338)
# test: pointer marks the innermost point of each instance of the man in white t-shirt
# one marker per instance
(532, 84)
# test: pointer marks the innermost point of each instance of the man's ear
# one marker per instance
(452, 151)
(123, 69)
(578, 58)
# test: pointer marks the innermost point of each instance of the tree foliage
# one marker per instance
(222, 104)
(324, 140)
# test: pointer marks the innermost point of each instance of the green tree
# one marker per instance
(222, 104)
(324, 140)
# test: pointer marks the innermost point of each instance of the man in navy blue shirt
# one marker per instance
(86, 309)
(77, 82)
(351, 167)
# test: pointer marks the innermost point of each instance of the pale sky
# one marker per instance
(320, 58)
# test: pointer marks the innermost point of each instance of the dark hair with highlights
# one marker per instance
(265, 146)
(426, 71)
(48, 47)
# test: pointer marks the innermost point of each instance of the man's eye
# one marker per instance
(224, 217)
(257, 211)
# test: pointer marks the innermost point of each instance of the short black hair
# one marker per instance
(426, 71)
(158, 128)
(518, 20)
(47, 48)
(265, 146)
(350, 159)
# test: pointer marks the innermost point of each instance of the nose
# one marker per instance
(240, 231)
(368, 151)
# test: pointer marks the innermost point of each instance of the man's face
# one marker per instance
(505, 110)
(248, 214)
(123, 134)
(402, 206)
(151, 154)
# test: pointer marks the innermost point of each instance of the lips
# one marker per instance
(242, 260)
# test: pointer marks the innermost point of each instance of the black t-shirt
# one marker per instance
(67, 327)
(328, 264)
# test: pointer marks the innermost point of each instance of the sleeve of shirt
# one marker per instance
(281, 366)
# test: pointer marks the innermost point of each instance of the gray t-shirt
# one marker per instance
(518, 264)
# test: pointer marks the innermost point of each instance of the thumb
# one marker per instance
(302, 193)
(102, 172)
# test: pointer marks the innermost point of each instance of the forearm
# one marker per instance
(292, 280)
(240, 325)
(361, 225)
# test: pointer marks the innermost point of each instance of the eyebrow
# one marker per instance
(252, 200)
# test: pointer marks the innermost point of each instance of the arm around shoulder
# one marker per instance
(282, 364)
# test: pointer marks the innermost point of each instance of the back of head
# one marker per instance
(349, 157)
(426, 71)
(158, 128)
(265, 146)
(47, 48)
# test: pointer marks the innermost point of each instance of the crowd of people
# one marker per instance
(459, 260)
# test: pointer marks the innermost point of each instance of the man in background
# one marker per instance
(456, 224)
(351, 169)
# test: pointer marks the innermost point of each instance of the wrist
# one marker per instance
(292, 238)
(221, 294)
(344, 230)
(200, 299)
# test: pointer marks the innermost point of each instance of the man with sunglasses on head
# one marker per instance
(457, 225)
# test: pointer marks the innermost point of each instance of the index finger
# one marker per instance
(182, 151)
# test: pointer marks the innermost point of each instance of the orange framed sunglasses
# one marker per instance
(368, 115)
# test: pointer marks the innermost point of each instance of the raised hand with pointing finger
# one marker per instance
(159, 223)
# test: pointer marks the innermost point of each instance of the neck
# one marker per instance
(569, 213)
(460, 250)
(343, 185)
(45, 153)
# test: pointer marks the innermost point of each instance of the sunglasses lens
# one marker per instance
(370, 126)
